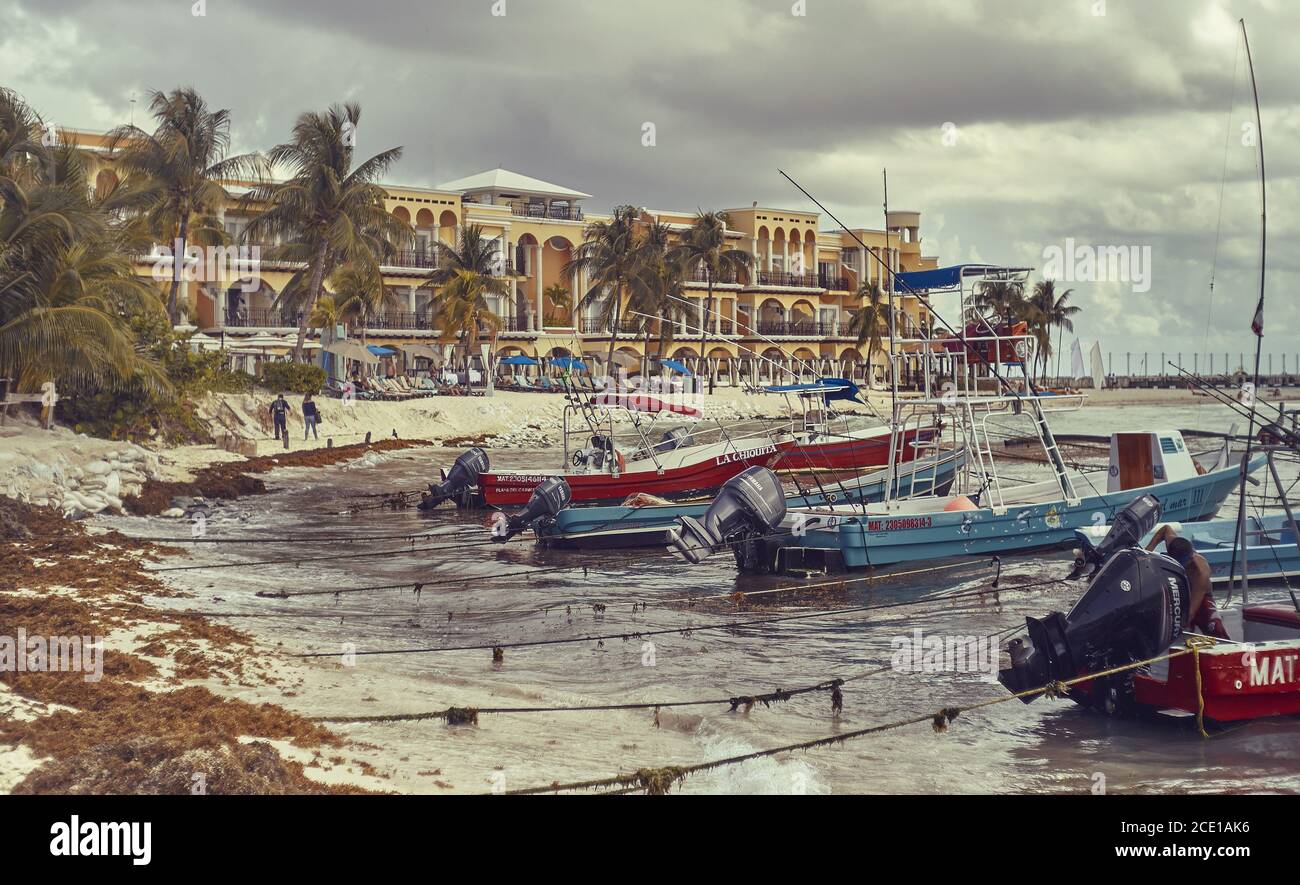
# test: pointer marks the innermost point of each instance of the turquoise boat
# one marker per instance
(650, 526)
(1032, 516)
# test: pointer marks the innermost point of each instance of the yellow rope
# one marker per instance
(1196, 643)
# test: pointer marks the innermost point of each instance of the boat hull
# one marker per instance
(623, 527)
(910, 536)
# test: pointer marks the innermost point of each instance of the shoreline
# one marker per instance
(185, 693)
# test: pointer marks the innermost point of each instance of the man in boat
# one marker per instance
(1201, 611)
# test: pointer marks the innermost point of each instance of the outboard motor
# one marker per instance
(548, 499)
(673, 439)
(458, 481)
(1132, 610)
(749, 505)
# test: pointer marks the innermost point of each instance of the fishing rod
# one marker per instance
(1278, 428)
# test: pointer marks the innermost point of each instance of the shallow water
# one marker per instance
(1047, 746)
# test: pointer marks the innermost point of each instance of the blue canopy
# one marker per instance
(568, 363)
(950, 278)
(518, 359)
(675, 366)
(380, 351)
(830, 388)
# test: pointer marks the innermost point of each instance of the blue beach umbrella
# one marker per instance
(569, 364)
(518, 359)
(677, 367)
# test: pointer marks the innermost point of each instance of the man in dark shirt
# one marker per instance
(280, 409)
(310, 417)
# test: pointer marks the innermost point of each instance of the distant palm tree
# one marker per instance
(611, 258)
(1053, 311)
(1003, 301)
(329, 212)
(174, 174)
(870, 320)
(360, 293)
(705, 247)
(658, 287)
(558, 296)
(466, 276)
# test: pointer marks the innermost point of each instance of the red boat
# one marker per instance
(1130, 628)
(675, 467)
(1255, 674)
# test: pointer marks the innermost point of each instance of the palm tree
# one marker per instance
(360, 293)
(67, 291)
(1053, 311)
(705, 247)
(330, 211)
(460, 308)
(870, 319)
(611, 258)
(173, 174)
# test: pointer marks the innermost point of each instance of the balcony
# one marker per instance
(592, 326)
(785, 278)
(525, 209)
(838, 284)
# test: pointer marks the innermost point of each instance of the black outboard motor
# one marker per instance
(548, 499)
(1132, 610)
(749, 505)
(459, 480)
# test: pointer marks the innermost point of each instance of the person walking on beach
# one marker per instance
(310, 417)
(280, 409)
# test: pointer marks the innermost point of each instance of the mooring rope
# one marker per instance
(498, 647)
(658, 781)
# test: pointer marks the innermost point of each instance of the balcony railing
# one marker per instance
(785, 278)
(398, 320)
(698, 275)
(261, 318)
(418, 258)
(525, 209)
(514, 324)
(799, 328)
(839, 284)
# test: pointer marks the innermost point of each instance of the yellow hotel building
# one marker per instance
(794, 304)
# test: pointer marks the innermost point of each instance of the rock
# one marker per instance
(173, 513)
(98, 467)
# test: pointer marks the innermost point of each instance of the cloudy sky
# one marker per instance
(1010, 124)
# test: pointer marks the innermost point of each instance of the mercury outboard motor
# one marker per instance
(1132, 610)
(548, 499)
(749, 505)
(462, 476)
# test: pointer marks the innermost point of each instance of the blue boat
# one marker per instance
(650, 526)
(1271, 553)
(1032, 516)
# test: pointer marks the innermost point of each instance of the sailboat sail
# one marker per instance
(1098, 373)
(1076, 360)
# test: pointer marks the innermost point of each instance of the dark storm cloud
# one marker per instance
(1109, 129)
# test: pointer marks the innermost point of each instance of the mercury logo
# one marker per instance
(90, 839)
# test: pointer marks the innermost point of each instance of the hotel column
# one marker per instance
(575, 276)
(537, 280)
(785, 253)
(410, 298)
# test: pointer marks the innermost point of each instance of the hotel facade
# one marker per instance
(792, 307)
